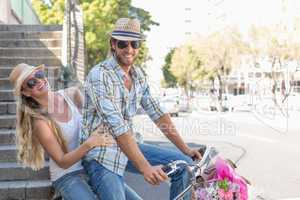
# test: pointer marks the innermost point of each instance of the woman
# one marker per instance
(50, 121)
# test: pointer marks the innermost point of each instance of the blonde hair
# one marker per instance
(30, 150)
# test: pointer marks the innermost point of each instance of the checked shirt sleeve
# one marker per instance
(151, 105)
(100, 90)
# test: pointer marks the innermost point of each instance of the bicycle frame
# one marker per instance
(192, 169)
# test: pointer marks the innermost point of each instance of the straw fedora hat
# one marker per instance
(127, 29)
(20, 73)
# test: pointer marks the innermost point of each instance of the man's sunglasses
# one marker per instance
(31, 83)
(124, 44)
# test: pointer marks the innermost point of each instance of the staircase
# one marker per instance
(35, 45)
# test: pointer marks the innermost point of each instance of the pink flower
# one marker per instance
(225, 171)
(225, 195)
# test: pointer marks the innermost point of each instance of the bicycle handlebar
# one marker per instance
(173, 166)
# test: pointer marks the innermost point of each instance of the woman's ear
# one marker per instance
(25, 93)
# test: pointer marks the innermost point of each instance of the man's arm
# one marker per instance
(166, 125)
(152, 174)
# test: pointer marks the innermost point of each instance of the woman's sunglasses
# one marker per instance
(124, 44)
(31, 83)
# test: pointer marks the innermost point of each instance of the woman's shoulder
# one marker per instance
(40, 123)
(75, 94)
(71, 91)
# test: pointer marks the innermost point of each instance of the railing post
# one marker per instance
(73, 50)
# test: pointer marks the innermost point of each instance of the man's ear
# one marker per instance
(113, 44)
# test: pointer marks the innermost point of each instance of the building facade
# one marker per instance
(17, 12)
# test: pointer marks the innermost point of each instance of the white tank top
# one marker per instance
(70, 131)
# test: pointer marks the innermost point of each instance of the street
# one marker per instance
(265, 151)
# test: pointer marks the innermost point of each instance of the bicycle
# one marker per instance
(203, 173)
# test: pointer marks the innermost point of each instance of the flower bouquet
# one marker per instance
(225, 185)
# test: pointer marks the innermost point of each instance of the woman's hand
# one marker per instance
(99, 140)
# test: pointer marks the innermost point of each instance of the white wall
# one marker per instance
(6, 14)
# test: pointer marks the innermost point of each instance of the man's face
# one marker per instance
(126, 51)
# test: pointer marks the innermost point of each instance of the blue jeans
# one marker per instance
(73, 186)
(161, 156)
(106, 184)
(111, 186)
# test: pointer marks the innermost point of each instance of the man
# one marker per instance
(114, 89)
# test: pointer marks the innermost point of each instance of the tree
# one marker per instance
(99, 19)
(50, 14)
(169, 78)
(187, 66)
(221, 51)
(281, 47)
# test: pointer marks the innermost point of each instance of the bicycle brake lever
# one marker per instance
(173, 166)
(167, 169)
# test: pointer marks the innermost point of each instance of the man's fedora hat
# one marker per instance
(127, 30)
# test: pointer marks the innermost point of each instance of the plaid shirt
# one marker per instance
(111, 106)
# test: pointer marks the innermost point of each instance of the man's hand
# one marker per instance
(194, 153)
(154, 175)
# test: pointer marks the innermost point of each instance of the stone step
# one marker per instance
(30, 35)
(8, 153)
(37, 28)
(7, 95)
(13, 171)
(48, 61)
(7, 108)
(7, 121)
(30, 52)
(28, 43)
(7, 136)
(5, 84)
(25, 190)
(6, 70)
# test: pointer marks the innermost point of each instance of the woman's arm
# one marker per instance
(65, 160)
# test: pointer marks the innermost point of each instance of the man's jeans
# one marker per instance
(110, 186)
(106, 184)
(161, 156)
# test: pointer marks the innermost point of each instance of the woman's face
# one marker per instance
(36, 84)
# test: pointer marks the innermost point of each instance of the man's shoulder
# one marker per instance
(99, 69)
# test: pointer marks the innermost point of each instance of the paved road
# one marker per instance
(267, 153)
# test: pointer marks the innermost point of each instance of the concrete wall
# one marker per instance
(17, 12)
(7, 15)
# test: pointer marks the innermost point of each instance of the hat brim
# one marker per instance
(23, 77)
(124, 38)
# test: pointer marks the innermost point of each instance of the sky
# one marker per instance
(181, 19)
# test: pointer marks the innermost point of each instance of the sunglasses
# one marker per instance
(124, 44)
(31, 83)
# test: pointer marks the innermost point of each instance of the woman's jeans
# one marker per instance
(111, 186)
(74, 186)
